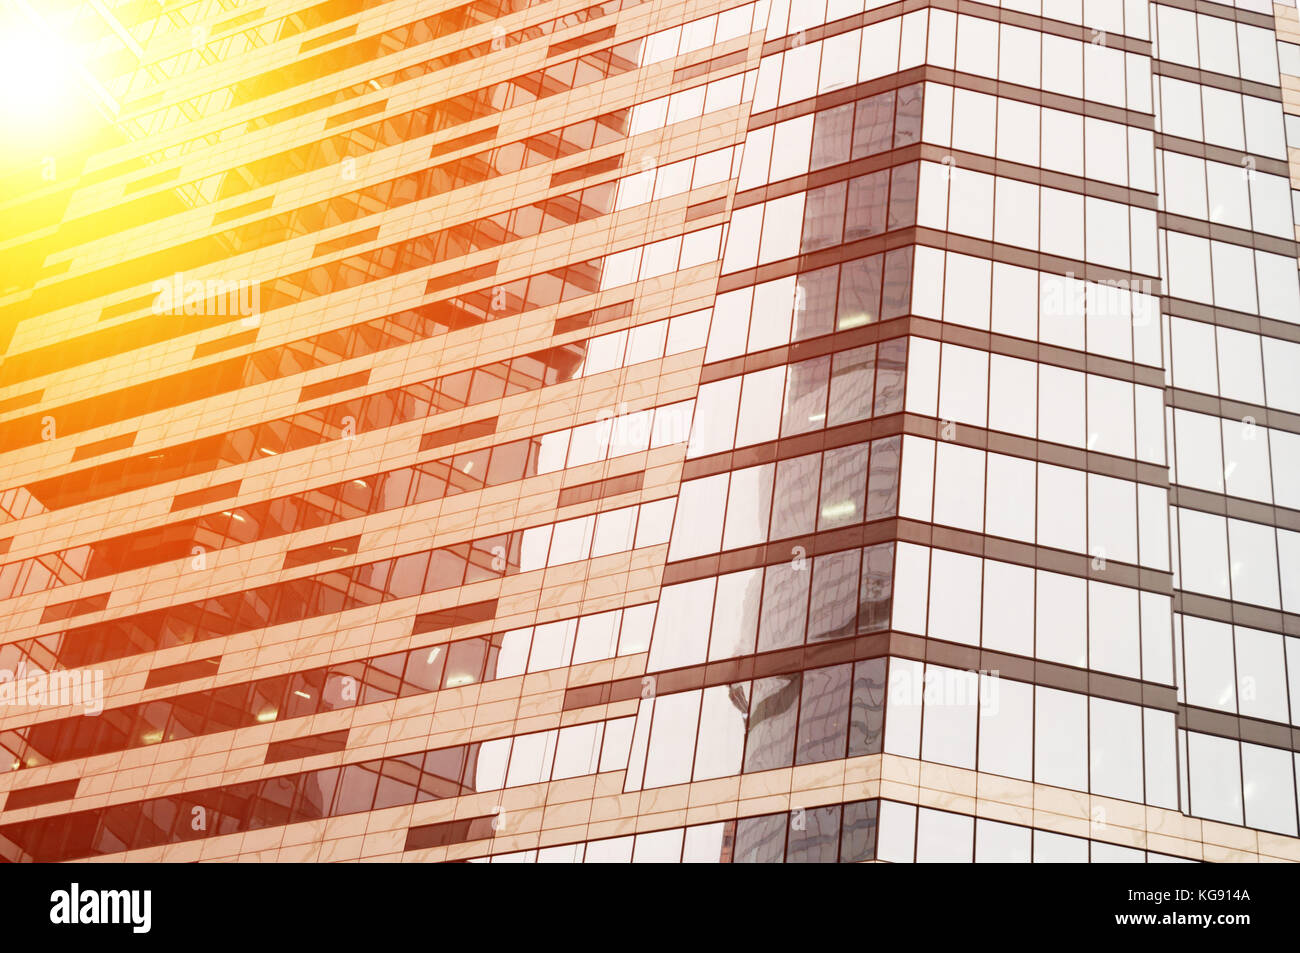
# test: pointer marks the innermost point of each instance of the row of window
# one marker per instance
(426, 120)
(1239, 783)
(398, 405)
(866, 205)
(1216, 44)
(328, 792)
(700, 34)
(1034, 613)
(821, 714)
(966, 121)
(442, 245)
(911, 834)
(968, 44)
(1236, 559)
(1034, 217)
(357, 586)
(815, 141)
(802, 601)
(811, 304)
(1220, 117)
(327, 688)
(425, 30)
(803, 397)
(843, 834)
(560, 284)
(1239, 196)
(1233, 668)
(1053, 139)
(1007, 496)
(1113, 320)
(795, 497)
(309, 428)
(980, 721)
(1059, 507)
(134, 83)
(296, 357)
(1035, 400)
(834, 833)
(1127, 17)
(664, 257)
(436, 180)
(1119, 320)
(361, 141)
(677, 178)
(1053, 737)
(993, 208)
(1235, 457)
(360, 496)
(786, 227)
(1231, 276)
(966, 719)
(691, 103)
(1239, 365)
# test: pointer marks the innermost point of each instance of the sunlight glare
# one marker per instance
(38, 76)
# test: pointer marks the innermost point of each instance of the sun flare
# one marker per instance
(46, 90)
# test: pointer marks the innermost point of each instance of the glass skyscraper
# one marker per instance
(656, 430)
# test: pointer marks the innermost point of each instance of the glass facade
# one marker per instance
(799, 431)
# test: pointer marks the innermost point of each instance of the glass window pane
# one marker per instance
(833, 614)
(867, 712)
(890, 360)
(794, 501)
(902, 195)
(875, 597)
(896, 299)
(814, 835)
(859, 301)
(858, 832)
(853, 375)
(873, 125)
(868, 202)
(832, 136)
(907, 122)
(814, 303)
(760, 840)
(805, 397)
(823, 217)
(843, 487)
(785, 605)
(772, 712)
(882, 482)
(823, 714)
